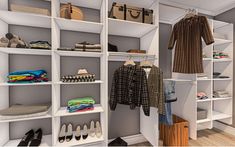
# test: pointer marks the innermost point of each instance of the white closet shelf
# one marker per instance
(46, 141)
(122, 56)
(87, 141)
(139, 3)
(128, 28)
(63, 111)
(207, 59)
(203, 79)
(79, 54)
(77, 83)
(218, 115)
(25, 19)
(219, 24)
(26, 84)
(220, 99)
(79, 25)
(48, 115)
(203, 120)
(24, 51)
(221, 41)
(206, 100)
(222, 79)
(178, 80)
(222, 60)
(85, 3)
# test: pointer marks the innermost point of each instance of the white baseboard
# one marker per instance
(133, 139)
(223, 127)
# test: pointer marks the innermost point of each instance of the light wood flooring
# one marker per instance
(208, 137)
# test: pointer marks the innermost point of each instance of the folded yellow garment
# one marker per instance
(17, 77)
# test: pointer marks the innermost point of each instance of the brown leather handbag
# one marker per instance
(69, 11)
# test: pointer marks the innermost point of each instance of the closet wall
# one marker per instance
(229, 17)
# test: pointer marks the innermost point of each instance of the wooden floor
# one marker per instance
(212, 137)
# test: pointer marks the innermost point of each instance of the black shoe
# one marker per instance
(85, 132)
(62, 134)
(37, 138)
(69, 134)
(26, 139)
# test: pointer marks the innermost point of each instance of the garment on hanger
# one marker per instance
(155, 87)
(169, 93)
(187, 35)
(129, 87)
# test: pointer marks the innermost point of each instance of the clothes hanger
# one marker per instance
(145, 63)
(190, 13)
(129, 62)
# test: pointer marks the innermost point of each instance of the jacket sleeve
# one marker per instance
(113, 93)
(173, 38)
(206, 32)
(145, 101)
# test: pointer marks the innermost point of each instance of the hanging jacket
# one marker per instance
(129, 87)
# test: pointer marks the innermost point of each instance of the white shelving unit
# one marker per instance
(148, 35)
(218, 109)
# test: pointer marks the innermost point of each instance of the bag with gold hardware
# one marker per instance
(69, 11)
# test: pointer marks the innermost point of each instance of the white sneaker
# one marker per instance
(62, 133)
(98, 130)
(92, 129)
(69, 134)
(85, 132)
(78, 133)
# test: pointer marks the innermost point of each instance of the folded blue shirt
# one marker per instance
(36, 73)
(79, 107)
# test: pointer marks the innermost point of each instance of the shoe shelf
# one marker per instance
(24, 51)
(128, 28)
(219, 115)
(46, 141)
(26, 84)
(207, 59)
(25, 19)
(88, 141)
(77, 25)
(48, 115)
(79, 54)
(222, 79)
(77, 83)
(63, 111)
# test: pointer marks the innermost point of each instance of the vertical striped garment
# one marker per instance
(187, 34)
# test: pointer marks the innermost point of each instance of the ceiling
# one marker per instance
(211, 7)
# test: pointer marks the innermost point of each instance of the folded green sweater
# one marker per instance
(84, 100)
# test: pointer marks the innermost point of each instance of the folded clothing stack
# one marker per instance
(24, 111)
(29, 76)
(202, 96)
(220, 55)
(221, 94)
(81, 104)
(82, 76)
(218, 75)
(84, 47)
(40, 45)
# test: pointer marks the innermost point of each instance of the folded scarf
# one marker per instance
(35, 73)
(78, 101)
(79, 107)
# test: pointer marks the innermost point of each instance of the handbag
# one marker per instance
(69, 11)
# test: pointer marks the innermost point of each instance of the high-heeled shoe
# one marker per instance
(69, 134)
(85, 132)
(62, 133)
(78, 133)
(98, 130)
(37, 138)
(92, 129)
(26, 139)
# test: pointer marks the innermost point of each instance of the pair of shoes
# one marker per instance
(12, 41)
(95, 130)
(33, 137)
(66, 135)
(80, 133)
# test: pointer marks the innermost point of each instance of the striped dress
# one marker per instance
(187, 34)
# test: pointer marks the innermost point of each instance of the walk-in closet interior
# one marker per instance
(64, 65)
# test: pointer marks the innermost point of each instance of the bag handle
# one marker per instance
(138, 14)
